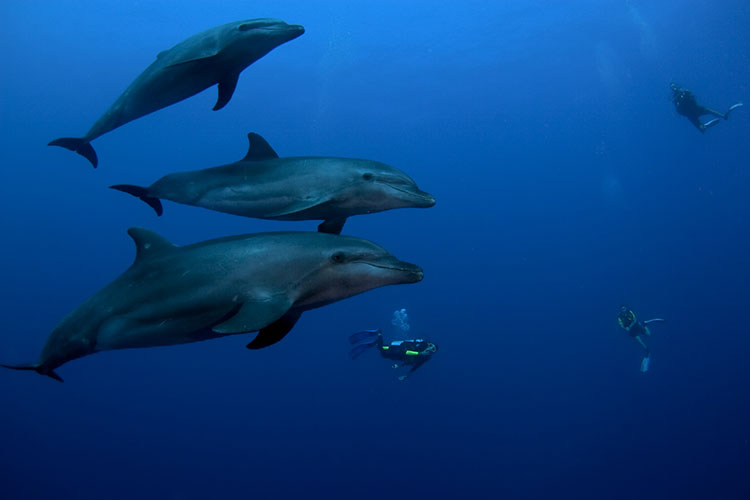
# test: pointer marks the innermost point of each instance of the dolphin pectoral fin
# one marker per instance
(258, 149)
(274, 332)
(194, 57)
(332, 226)
(40, 369)
(226, 90)
(254, 315)
(293, 208)
(80, 146)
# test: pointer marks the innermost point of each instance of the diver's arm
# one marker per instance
(708, 111)
(417, 363)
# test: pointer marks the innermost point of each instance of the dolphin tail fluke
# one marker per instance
(80, 146)
(40, 369)
(142, 194)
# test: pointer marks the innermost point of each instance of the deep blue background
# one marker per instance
(566, 185)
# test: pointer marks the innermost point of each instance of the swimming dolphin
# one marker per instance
(264, 186)
(174, 295)
(215, 56)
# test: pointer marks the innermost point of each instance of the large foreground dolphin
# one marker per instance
(264, 186)
(215, 56)
(174, 295)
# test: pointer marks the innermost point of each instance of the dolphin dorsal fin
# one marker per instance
(148, 244)
(258, 149)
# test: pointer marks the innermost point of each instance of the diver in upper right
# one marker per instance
(686, 105)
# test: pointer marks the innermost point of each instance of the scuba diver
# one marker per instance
(687, 106)
(637, 329)
(405, 353)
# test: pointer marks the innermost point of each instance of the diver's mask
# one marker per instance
(431, 349)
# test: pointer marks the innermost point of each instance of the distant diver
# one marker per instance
(405, 353)
(637, 330)
(686, 105)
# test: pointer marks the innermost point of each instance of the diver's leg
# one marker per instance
(709, 111)
(697, 122)
(643, 344)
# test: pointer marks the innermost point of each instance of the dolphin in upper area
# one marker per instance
(174, 295)
(215, 56)
(264, 186)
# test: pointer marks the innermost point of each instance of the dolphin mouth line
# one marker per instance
(390, 268)
(291, 29)
(411, 193)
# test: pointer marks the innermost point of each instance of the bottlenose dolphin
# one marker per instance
(215, 56)
(174, 295)
(264, 186)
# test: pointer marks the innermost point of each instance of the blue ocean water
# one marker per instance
(566, 185)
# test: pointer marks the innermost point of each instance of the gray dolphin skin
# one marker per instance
(215, 56)
(264, 186)
(259, 282)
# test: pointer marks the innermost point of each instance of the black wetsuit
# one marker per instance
(629, 324)
(687, 106)
(407, 352)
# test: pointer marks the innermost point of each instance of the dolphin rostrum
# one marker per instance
(259, 282)
(215, 56)
(264, 186)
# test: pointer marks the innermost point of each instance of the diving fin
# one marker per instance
(363, 341)
(710, 124)
(655, 320)
(366, 336)
(732, 108)
(274, 332)
(226, 90)
(644, 364)
(37, 368)
(358, 350)
(142, 194)
(80, 146)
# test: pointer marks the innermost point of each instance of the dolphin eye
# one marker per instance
(368, 176)
(338, 257)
